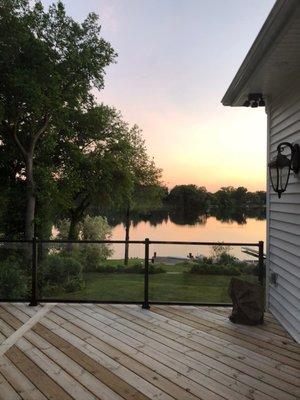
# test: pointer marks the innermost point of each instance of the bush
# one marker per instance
(132, 269)
(73, 285)
(60, 271)
(13, 281)
(221, 262)
(91, 256)
(214, 269)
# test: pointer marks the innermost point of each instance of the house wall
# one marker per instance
(283, 245)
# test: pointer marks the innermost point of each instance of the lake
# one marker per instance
(209, 230)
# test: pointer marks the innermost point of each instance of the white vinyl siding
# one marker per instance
(284, 218)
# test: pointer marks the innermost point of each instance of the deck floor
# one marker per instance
(113, 352)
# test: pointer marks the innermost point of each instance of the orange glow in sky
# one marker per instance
(175, 61)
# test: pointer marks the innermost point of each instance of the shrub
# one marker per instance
(91, 256)
(13, 281)
(73, 285)
(131, 269)
(214, 269)
(60, 271)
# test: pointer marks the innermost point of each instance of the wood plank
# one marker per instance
(106, 376)
(154, 378)
(246, 369)
(159, 360)
(23, 328)
(222, 355)
(252, 334)
(269, 325)
(171, 353)
(132, 351)
(18, 381)
(7, 392)
(36, 375)
(174, 327)
(191, 359)
(256, 332)
(64, 381)
(92, 361)
(85, 378)
(234, 337)
(195, 383)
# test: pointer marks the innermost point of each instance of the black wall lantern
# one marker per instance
(282, 165)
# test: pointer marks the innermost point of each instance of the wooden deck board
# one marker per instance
(115, 352)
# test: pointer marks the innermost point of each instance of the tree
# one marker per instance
(144, 197)
(188, 197)
(49, 64)
(95, 165)
(240, 196)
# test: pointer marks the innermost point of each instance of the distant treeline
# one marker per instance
(195, 197)
(190, 205)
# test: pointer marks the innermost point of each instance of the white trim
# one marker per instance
(267, 109)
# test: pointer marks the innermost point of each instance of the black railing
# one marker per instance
(34, 249)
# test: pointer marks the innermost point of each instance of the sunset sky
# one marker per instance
(176, 60)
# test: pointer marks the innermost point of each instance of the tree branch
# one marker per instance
(17, 141)
(40, 131)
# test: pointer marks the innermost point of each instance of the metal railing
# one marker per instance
(36, 244)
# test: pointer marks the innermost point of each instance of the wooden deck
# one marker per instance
(72, 351)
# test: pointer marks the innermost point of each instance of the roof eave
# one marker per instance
(265, 40)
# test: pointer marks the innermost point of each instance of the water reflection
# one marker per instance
(190, 217)
(236, 226)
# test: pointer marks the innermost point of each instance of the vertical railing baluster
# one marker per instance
(33, 301)
(261, 268)
(146, 276)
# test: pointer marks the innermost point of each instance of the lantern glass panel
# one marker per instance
(284, 174)
(274, 177)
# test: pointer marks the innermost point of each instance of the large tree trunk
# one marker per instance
(30, 199)
(30, 185)
(127, 228)
(73, 229)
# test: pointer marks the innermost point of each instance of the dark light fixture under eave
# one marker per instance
(255, 100)
(282, 165)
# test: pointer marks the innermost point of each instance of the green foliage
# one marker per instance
(49, 65)
(214, 269)
(60, 271)
(230, 197)
(221, 262)
(90, 256)
(188, 197)
(13, 281)
(137, 268)
(221, 251)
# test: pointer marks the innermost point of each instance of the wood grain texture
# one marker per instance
(115, 352)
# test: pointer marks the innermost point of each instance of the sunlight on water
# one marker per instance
(211, 231)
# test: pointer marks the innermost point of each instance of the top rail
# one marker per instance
(63, 241)
(204, 243)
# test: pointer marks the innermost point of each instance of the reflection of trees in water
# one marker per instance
(190, 217)
(185, 217)
(156, 217)
(238, 215)
(229, 216)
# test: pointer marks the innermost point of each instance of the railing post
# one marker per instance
(261, 267)
(146, 276)
(33, 301)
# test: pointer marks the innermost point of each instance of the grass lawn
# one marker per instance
(168, 286)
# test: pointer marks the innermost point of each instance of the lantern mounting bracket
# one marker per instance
(295, 155)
